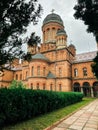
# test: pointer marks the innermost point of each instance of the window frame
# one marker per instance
(32, 71)
(60, 72)
(75, 72)
(38, 70)
(85, 71)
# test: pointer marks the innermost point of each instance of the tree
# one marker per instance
(95, 66)
(17, 84)
(87, 10)
(15, 17)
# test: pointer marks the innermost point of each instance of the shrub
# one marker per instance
(21, 104)
(17, 84)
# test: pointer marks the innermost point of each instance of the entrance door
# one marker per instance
(86, 89)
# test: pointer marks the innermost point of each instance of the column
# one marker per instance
(46, 36)
(92, 92)
(63, 42)
(57, 40)
(81, 89)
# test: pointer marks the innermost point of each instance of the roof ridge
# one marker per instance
(86, 52)
(89, 56)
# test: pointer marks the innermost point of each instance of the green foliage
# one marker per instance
(17, 84)
(15, 17)
(46, 120)
(87, 10)
(95, 66)
(21, 104)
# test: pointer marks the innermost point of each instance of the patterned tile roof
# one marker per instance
(88, 56)
(40, 56)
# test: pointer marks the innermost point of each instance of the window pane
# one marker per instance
(44, 71)
(75, 72)
(60, 71)
(60, 87)
(44, 87)
(84, 71)
(31, 86)
(37, 85)
(32, 71)
(20, 76)
(26, 74)
(16, 77)
(51, 87)
(38, 70)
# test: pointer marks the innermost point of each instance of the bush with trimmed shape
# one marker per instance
(22, 104)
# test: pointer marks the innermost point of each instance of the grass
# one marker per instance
(42, 122)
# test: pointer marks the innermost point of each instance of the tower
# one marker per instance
(51, 24)
(61, 39)
(56, 72)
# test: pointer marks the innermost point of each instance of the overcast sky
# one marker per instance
(75, 29)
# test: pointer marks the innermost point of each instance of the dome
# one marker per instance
(71, 45)
(61, 31)
(53, 18)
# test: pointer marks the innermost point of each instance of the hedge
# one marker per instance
(21, 104)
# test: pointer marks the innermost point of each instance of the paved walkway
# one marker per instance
(84, 119)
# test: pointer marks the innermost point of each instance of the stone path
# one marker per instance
(84, 119)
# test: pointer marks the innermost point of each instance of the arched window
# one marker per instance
(44, 87)
(86, 89)
(53, 28)
(75, 72)
(44, 36)
(26, 74)
(48, 33)
(85, 71)
(44, 71)
(95, 84)
(53, 32)
(51, 86)
(38, 70)
(32, 71)
(1, 86)
(16, 76)
(37, 86)
(60, 71)
(20, 76)
(31, 85)
(60, 87)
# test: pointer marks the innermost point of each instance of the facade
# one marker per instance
(54, 65)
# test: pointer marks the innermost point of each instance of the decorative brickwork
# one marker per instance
(54, 65)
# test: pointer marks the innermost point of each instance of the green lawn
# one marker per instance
(40, 123)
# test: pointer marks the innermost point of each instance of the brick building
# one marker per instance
(54, 65)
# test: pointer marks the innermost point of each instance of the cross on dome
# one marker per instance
(52, 11)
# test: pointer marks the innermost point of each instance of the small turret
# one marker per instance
(61, 39)
(72, 49)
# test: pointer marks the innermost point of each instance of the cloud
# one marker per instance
(76, 30)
